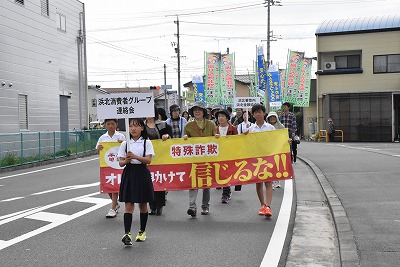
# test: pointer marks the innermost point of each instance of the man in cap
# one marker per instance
(176, 121)
(331, 130)
(199, 127)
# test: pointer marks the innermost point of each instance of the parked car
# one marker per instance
(95, 125)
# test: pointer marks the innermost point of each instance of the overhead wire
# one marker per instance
(135, 39)
(216, 10)
(127, 27)
(148, 15)
(246, 25)
(128, 51)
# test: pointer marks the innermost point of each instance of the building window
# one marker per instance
(348, 62)
(386, 63)
(23, 112)
(61, 22)
(45, 7)
(21, 2)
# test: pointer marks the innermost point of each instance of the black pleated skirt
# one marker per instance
(136, 185)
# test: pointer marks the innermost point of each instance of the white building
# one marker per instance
(43, 84)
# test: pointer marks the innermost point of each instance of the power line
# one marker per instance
(135, 39)
(147, 15)
(127, 27)
(216, 10)
(224, 37)
(130, 52)
(288, 3)
(251, 25)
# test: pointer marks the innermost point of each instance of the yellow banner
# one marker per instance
(200, 149)
(206, 162)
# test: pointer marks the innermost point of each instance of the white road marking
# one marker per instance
(371, 149)
(94, 200)
(80, 186)
(11, 199)
(15, 213)
(48, 217)
(275, 246)
(22, 215)
(66, 188)
(56, 221)
(46, 169)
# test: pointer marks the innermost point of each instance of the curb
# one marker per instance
(347, 245)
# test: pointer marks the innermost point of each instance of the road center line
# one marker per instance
(275, 246)
(11, 199)
(66, 188)
(46, 169)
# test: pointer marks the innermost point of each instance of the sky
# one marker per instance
(129, 41)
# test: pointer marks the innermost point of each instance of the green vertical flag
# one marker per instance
(293, 73)
(212, 80)
(303, 93)
(227, 79)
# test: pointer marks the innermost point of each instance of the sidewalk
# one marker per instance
(319, 239)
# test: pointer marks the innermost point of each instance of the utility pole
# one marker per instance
(269, 3)
(268, 32)
(178, 51)
(165, 90)
(268, 63)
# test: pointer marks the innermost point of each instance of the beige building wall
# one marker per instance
(242, 90)
(369, 44)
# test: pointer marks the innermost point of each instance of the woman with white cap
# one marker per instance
(199, 127)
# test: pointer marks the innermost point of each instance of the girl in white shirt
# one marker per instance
(136, 185)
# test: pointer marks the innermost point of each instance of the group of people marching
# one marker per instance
(134, 155)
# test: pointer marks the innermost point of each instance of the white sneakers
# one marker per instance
(112, 213)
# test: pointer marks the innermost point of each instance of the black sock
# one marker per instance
(143, 221)
(127, 222)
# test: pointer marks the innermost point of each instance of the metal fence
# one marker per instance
(24, 148)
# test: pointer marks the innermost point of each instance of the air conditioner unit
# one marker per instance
(329, 66)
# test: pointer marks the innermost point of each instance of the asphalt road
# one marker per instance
(54, 216)
(365, 177)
